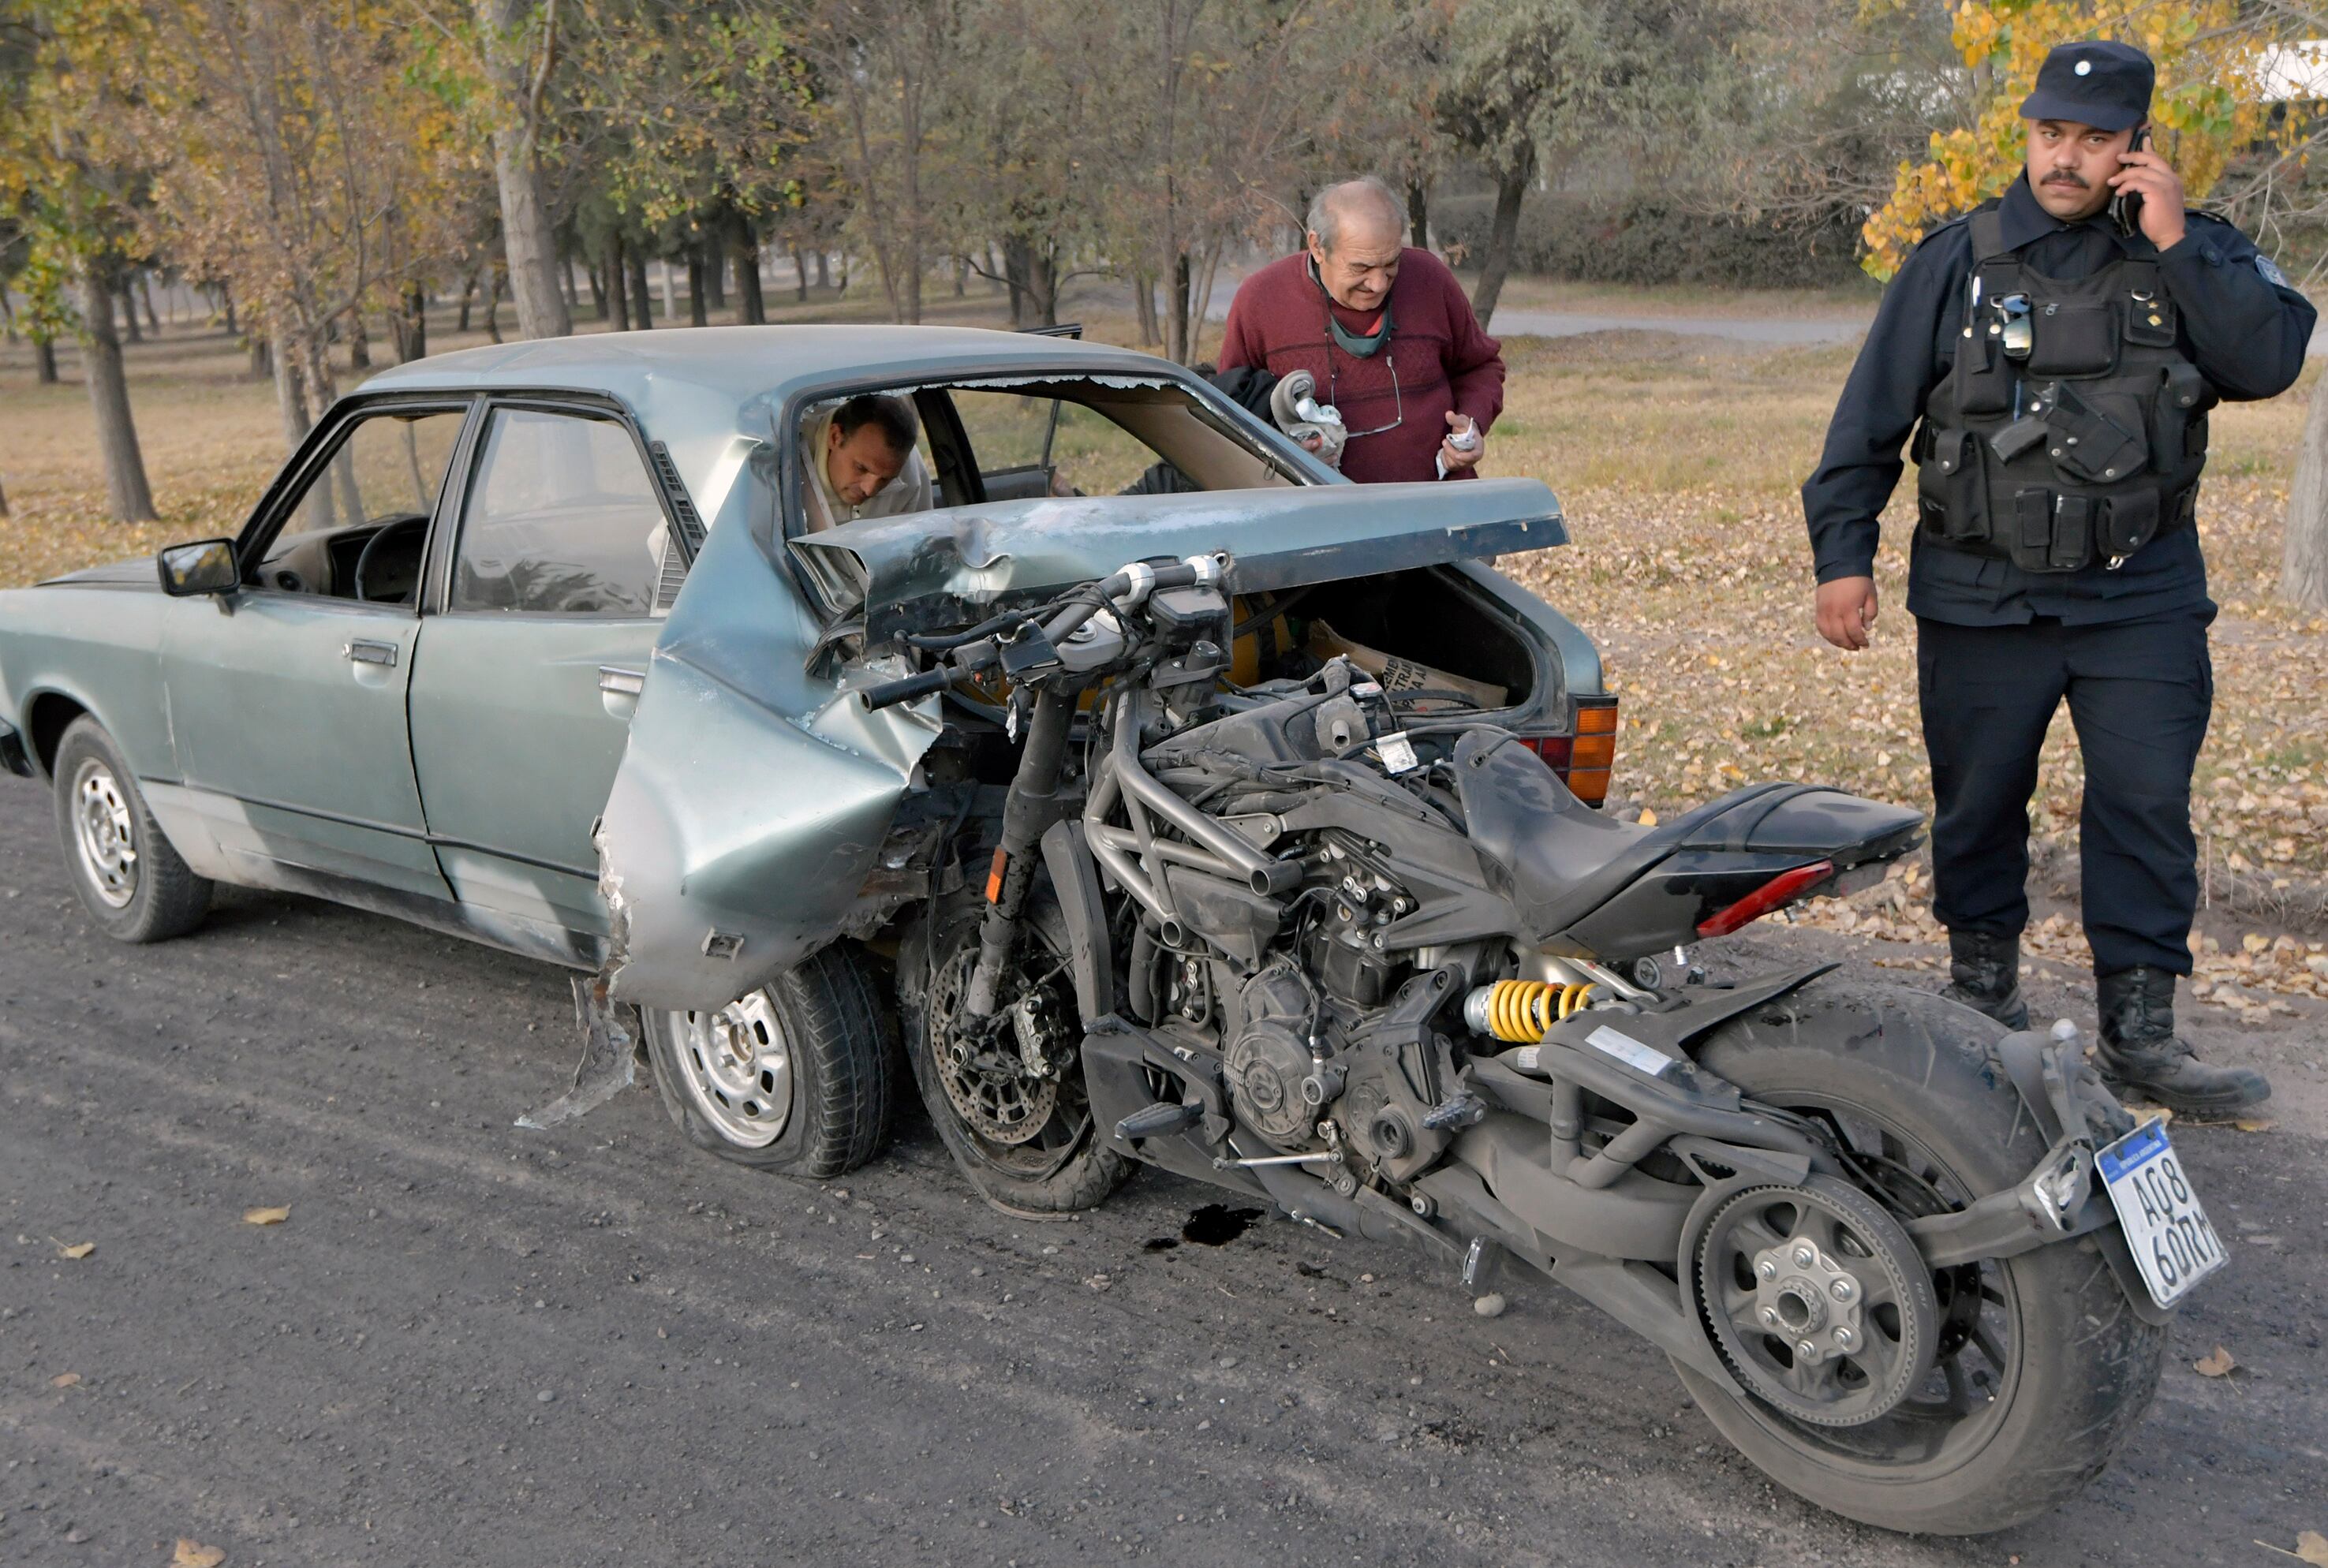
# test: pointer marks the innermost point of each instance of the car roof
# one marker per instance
(746, 363)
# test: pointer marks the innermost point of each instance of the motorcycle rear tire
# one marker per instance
(1085, 1177)
(2083, 1366)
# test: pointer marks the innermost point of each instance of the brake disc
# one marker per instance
(1818, 1301)
(985, 1080)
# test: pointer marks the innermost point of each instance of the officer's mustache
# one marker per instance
(2064, 177)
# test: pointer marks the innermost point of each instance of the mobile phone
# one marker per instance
(2125, 207)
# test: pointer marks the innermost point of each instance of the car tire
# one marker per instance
(797, 1078)
(131, 880)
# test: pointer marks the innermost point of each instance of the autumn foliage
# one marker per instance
(2209, 102)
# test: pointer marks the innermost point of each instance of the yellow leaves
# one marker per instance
(2217, 1364)
(2312, 1546)
(193, 1553)
(2208, 98)
(74, 1250)
(266, 1216)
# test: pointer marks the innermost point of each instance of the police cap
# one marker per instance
(2099, 83)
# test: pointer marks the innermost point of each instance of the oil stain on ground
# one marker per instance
(1217, 1224)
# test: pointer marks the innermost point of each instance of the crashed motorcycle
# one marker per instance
(1357, 954)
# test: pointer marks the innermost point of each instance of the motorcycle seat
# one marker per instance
(1558, 860)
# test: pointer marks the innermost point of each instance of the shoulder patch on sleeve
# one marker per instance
(2271, 272)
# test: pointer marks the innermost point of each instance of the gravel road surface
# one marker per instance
(473, 1345)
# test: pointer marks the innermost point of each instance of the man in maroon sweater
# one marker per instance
(1386, 330)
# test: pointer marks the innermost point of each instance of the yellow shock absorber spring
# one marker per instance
(1519, 1011)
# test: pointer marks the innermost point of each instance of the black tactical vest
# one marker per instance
(2070, 428)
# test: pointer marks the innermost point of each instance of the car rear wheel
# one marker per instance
(134, 884)
(795, 1077)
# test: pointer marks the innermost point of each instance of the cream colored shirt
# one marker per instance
(909, 492)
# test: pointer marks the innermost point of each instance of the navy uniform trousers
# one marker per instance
(2139, 692)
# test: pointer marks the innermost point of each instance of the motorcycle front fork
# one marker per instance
(1029, 809)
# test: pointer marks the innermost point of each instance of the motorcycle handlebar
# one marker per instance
(889, 693)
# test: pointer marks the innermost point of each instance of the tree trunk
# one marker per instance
(358, 342)
(640, 316)
(493, 291)
(262, 360)
(1511, 187)
(1143, 303)
(715, 269)
(226, 304)
(1043, 284)
(752, 309)
(412, 340)
(598, 291)
(618, 291)
(44, 361)
(1016, 253)
(1176, 303)
(130, 498)
(290, 397)
(566, 283)
(2304, 553)
(145, 294)
(468, 287)
(527, 238)
(823, 269)
(1418, 214)
(697, 315)
(669, 300)
(800, 273)
(129, 314)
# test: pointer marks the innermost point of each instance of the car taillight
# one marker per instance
(1778, 890)
(1583, 760)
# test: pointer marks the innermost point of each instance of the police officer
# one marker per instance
(2056, 352)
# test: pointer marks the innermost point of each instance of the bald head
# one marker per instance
(1364, 212)
(1357, 232)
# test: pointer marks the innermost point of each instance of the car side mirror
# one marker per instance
(205, 568)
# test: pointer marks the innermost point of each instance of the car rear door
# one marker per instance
(287, 698)
(551, 600)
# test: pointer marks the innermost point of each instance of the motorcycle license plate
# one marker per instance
(2174, 1245)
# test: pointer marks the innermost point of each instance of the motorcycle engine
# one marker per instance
(1268, 1061)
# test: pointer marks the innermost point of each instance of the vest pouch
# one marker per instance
(2072, 542)
(2100, 441)
(2075, 337)
(2179, 405)
(1947, 487)
(2131, 522)
(2150, 321)
(1984, 376)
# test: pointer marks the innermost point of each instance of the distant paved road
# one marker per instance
(475, 1345)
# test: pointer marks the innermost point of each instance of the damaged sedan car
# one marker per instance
(1149, 796)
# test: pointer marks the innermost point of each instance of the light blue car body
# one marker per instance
(691, 801)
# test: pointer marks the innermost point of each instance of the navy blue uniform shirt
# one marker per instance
(2246, 332)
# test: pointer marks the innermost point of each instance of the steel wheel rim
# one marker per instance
(104, 833)
(738, 1069)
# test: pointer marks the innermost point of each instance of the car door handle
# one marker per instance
(618, 690)
(364, 652)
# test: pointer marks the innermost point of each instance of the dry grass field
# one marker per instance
(1677, 460)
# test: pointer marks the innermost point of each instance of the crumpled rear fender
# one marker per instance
(753, 798)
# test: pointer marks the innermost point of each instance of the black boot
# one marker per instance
(2141, 1056)
(1984, 974)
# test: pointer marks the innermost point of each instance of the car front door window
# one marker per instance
(561, 519)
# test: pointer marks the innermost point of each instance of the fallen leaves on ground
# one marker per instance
(64, 1380)
(194, 1554)
(2216, 1365)
(266, 1216)
(2255, 1123)
(74, 1249)
(2311, 1546)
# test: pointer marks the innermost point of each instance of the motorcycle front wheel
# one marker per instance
(2042, 1368)
(1006, 1092)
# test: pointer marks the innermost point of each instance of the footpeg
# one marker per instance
(1463, 1109)
(1158, 1121)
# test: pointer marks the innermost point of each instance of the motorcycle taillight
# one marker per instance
(1583, 759)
